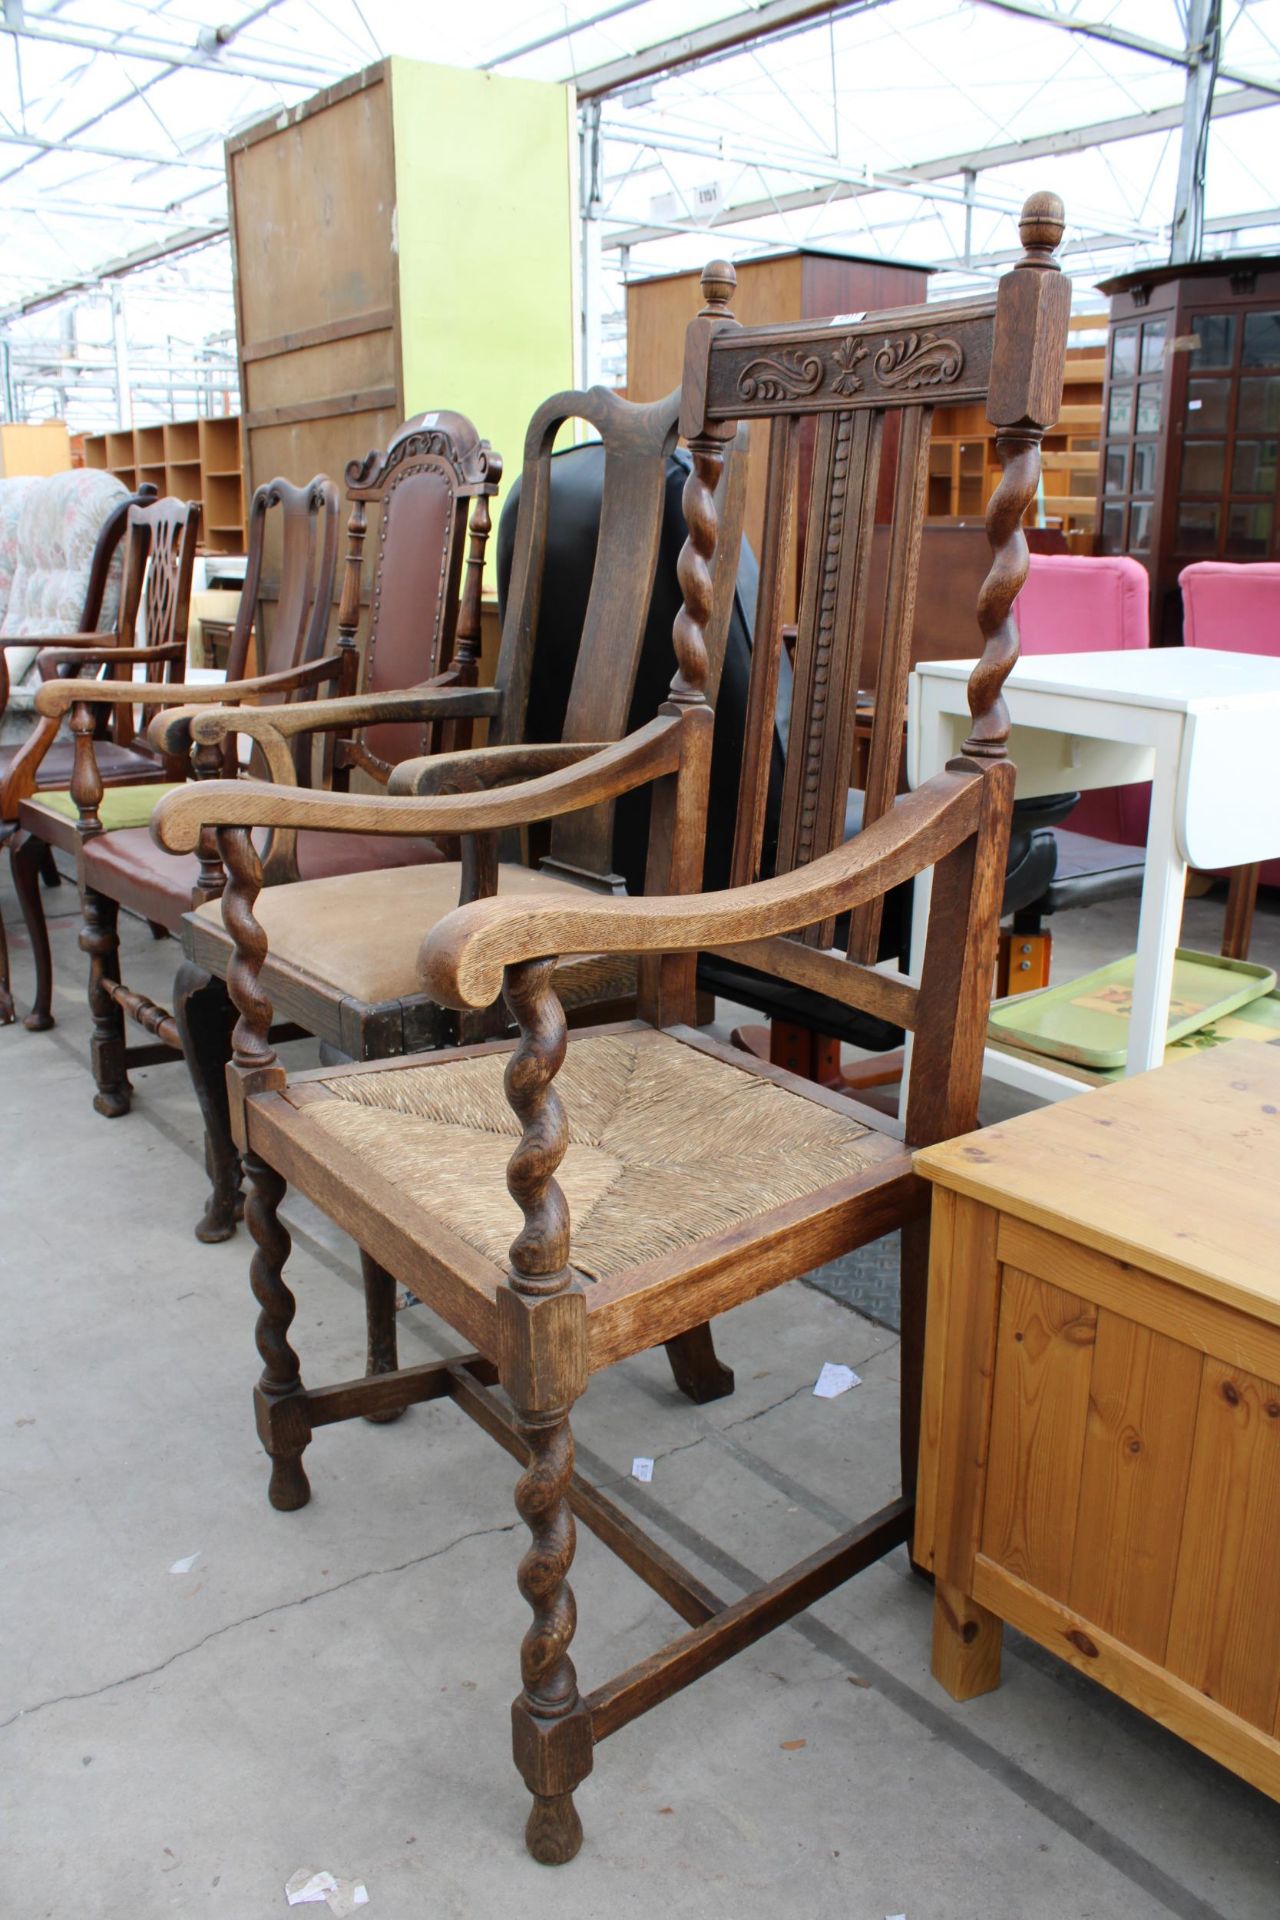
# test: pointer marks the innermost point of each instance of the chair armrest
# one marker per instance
(361, 710)
(51, 658)
(58, 695)
(483, 767)
(646, 755)
(52, 639)
(464, 957)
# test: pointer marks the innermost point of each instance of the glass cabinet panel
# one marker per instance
(1144, 466)
(1120, 411)
(1197, 527)
(1154, 336)
(1214, 335)
(1261, 340)
(1124, 353)
(1258, 407)
(1248, 532)
(1207, 402)
(1140, 526)
(1253, 469)
(1150, 407)
(1111, 538)
(1116, 478)
(1204, 465)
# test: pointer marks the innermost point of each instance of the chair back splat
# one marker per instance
(870, 385)
(636, 443)
(435, 472)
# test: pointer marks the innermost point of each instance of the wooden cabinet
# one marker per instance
(190, 459)
(403, 241)
(1100, 1460)
(1189, 468)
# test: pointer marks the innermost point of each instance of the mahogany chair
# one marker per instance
(344, 947)
(433, 475)
(86, 810)
(44, 762)
(693, 1177)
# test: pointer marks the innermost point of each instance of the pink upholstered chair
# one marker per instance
(1237, 609)
(1072, 604)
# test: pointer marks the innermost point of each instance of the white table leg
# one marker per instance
(1160, 920)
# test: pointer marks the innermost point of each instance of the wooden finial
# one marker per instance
(718, 284)
(1041, 226)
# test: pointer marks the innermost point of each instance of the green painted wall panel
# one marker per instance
(486, 226)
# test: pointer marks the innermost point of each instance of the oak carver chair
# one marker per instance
(435, 472)
(343, 948)
(698, 1177)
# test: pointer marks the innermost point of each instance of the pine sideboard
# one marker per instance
(1100, 1456)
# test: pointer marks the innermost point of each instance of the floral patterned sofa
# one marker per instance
(49, 529)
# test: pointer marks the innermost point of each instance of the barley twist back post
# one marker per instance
(707, 450)
(1032, 309)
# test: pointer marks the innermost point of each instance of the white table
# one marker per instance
(1202, 726)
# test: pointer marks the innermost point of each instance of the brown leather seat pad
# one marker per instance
(129, 867)
(361, 933)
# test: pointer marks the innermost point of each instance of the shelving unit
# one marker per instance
(963, 468)
(189, 459)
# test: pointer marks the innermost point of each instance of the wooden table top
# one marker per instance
(1177, 1171)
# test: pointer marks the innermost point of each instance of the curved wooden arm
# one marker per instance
(464, 957)
(480, 767)
(51, 658)
(54, 639)
(55, 698)
(643, 756)
(363, 710)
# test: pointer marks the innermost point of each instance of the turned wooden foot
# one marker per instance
(966, 1644)
(553, 1831)
(380, 1322)
(280, 1400)
(100, 939)
(204, 1017)
(27, 857)
(698, 1371)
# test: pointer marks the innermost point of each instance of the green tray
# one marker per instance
(1086, 1021)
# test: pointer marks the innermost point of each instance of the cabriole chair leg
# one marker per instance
(204, 1016)
(27, 859)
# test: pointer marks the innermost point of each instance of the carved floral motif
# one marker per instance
(910, 361)
(846, 357)
(786, 376)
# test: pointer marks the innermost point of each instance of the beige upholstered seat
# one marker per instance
(668, 1144)
(361, 933)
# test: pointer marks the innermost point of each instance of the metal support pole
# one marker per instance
(970, 179)
(590, 209)
(120, 343)
(1204, 35)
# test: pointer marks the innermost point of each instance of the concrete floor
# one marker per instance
(329, 1689)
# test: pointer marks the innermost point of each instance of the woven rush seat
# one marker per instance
(668, 1144)
(361, 933)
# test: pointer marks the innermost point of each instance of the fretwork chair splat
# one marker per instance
(651, 1177)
